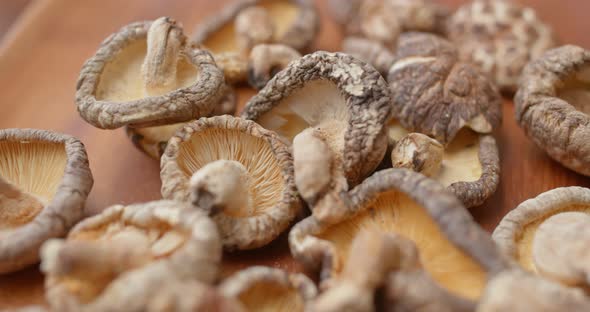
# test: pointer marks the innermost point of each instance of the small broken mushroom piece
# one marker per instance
(334, 109)
(127, 255)
(552, 105)
(237, 170)
(418, 152)
(44, 182)
(456, 253)
(550, 234)
(263, 289)
(500, 37)
(232, 33)
(266, 60)
(383, 21)
(146, 74)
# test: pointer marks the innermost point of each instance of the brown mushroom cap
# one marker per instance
(44, 182)
(126, 255)
(552, 105)
(454, 250)
(470, 165)
(266, 60)
(111, 91)
(522, 236)
(370, 51)
(500, 37)
(262, 288)
(435, 94)
(268, 166)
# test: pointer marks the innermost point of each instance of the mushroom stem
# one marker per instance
(18, 203)
(164, 43)
(266, 60)
(312, 161)
(223, 185)
(418, 152)
(253, 26)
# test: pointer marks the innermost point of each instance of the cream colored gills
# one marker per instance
(397, 213)
(271, 297)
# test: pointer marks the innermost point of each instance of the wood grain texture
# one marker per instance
(39, 63)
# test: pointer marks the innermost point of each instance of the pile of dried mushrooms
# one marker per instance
(366, 159)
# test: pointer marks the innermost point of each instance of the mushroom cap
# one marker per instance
(62, 160)
(552, 105)
(261, 288)
(450, 232)
(267, 159)
(333, 92)
(296, 23)
(436, 94)
(97, 95)
(500, 37)
(517, 231)
(125, 255)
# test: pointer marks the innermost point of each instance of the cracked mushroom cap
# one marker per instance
(384, 20)
(550, 234)
(44, 182)
(239, 171)
(338, 100)
(262, 288)
(500, 37)
(153, 140)
(126, 255)
(552, 105)
(231, 33)
(147, 74)
(436, 94)
(453, 249)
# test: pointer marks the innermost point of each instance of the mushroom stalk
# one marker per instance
(223, 186)
(312, 160)
(253, 26)
(418, 152)
(164, 44)
(13, 199)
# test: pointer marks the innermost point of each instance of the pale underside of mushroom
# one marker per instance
(397, 213)
(576, 90)
(30, 173)
(460, 162)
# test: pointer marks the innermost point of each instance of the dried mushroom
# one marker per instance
(267, 289)
(147, 74)
(518, 291)
(266, 60)
(236, 169)
(418, 152)
(132, 257)
(454, 251)
(550, 234)
(153, 140)
(384, 20)
(335, 102)
(552, 105)
(231, 34)
(369, 51)
(500, 37)
(44, 182)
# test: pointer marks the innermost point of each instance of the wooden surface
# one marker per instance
(42, 53)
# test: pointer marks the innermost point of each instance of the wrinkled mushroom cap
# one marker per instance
(111, 91)
(526, 232)
(436, 94)
(500, 37)
(125, 255)
(453, 249)
(268, 165)
(262, 288)
(44, 182)
(552, 105)
(336, 94)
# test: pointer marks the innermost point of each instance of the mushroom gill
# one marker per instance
(271, 296)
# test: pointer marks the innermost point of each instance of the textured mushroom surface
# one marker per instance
(549, 235)
(294, 23)
(418, 152)
(370, 51)
(254, 198)
(515, 290)
(261, 288)
(552, 105)
(436, 94)
(500, 37)
(146, 74)
(335, 101)
(266, 60)
(455, 252)
(126, 255)
(44, 182)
